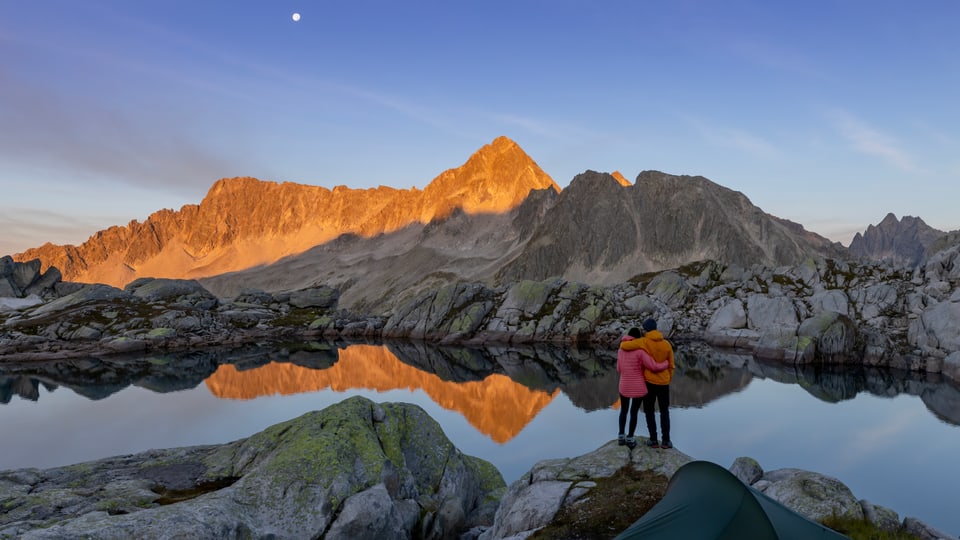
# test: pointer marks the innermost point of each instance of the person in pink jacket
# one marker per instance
(630, 366)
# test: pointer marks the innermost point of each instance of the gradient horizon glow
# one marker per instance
(829, 114)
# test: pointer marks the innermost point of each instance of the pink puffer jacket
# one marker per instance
(630, 366)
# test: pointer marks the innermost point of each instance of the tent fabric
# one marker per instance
(706, 501)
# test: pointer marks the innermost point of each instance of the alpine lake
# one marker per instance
(892, 437)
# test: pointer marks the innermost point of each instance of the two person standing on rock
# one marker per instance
(631, 365)
(645, 363)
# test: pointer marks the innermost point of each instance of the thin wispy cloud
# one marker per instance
(272, 79)
(733, 138)
(527, 124)
(873, 142)
(53, 130)
(550, 130)
(35, 226)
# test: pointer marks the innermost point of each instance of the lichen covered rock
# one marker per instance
(355, 466)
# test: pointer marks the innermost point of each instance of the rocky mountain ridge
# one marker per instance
(900, 241)
(495, 219)
(245, 222)
(595, 231)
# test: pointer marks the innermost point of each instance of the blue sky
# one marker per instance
(827, 113)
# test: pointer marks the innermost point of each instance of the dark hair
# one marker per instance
(649, 325)
(635, 332)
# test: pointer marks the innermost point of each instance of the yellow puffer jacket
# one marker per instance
(661, 351)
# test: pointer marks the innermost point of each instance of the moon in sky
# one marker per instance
(295, 17)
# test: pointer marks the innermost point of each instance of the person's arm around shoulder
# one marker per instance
(631, 344)
(651, 364)
(670, 357)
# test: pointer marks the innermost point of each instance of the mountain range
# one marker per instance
(497, 218)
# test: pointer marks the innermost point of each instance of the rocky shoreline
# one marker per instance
(822, 311)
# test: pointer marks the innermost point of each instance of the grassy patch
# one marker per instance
(642, 280)
(129, 315)
(696, 269)
(171, 496)
(297, 317)
(612, 506)
(859, 529)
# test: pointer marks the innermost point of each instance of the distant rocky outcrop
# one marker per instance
(355, 470)
(23, 283)
(244, 222)
(947, 241)
(897, 241)
(157, 315)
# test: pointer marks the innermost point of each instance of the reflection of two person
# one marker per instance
(632, 365)
(657, 393)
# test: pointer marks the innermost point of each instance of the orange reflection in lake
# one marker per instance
(496, 406)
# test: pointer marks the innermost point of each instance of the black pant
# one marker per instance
(657, 394)
(634, 405)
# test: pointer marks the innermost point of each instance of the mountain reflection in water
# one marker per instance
(495, 405)
(497, 389)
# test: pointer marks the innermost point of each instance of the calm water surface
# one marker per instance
(893, 438)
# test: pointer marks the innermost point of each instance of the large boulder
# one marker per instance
(355, 470)
(814, 495)
(727, 326)
(670, 288)
(19, 279)
(770, 312)
(176, 291)
(937, 327)
(532, 501)
(84, 295)
(452, 310)
(834, 334)
(315, 297)
(23, 274)
(951, 366)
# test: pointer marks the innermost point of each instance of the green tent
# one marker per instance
(706, 501)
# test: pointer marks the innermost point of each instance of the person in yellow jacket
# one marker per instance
(658, 382)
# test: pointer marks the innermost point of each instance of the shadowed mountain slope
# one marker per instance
(596, 231)
(602, 232)
(376, 273)
(245, 222)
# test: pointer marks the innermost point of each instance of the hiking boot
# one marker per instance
(621, 440)
(631, 443)
(666, 444)
(652, 443)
